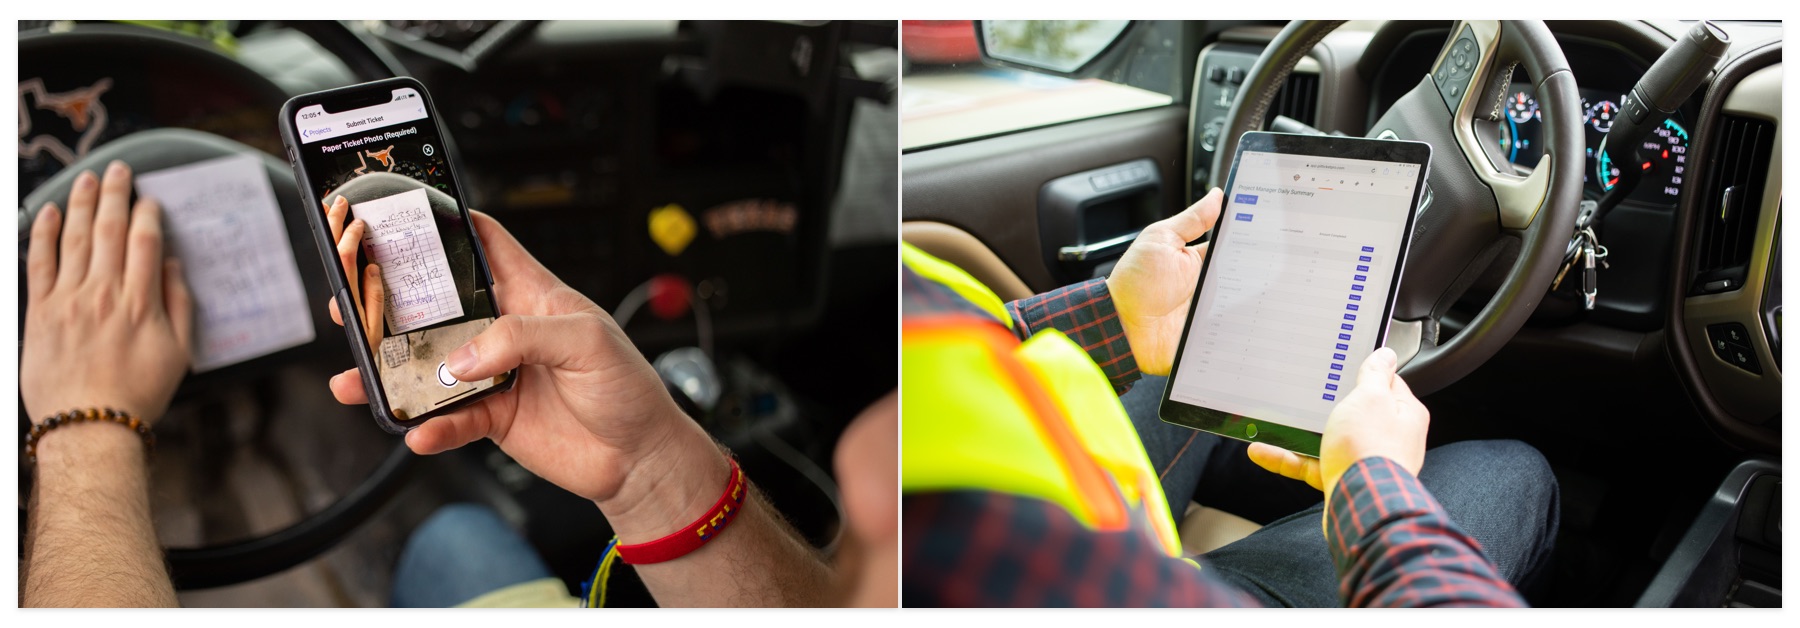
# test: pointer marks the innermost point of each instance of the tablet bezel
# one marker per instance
(1252, 429)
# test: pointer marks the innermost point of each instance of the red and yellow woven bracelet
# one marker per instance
(89, 415)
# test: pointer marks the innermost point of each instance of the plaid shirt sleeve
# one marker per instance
(1084, 312)
(987, 549)
(1394, 545)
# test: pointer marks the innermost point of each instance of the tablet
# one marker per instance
(1298, 285)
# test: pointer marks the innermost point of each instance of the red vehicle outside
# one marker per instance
(939, 41)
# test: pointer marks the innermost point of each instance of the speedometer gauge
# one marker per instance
(1521, 108)
(1666, 149)
(1663, 164)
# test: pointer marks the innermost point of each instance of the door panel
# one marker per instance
(991, 188)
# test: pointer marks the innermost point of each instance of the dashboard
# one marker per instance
(1694, 249)
(1665, 150)
(1605, 72)
(73, 101)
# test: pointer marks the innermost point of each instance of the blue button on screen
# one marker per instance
(1244, 199)
(1243, 217)
(1349, 317)
(1334, 377)
(1352, 307)
(1343, 336)
(1338, 356)
(1337, 367)
(1361, 277)
(1362, 268)
(1346, 326)
(1331, 387)
(1368, 249)
(1357, 287)
(1330, 397)
(1355, 297)
(1364, 258)
(1343, 347)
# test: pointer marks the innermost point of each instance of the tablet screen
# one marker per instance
(1303, 266)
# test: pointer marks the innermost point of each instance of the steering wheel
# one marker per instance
(1476, 208)
(147, 151)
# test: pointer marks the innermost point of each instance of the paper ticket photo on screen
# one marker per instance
(1298, 285)
(414, 285)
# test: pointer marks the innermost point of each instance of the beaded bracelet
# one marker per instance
(85, 416)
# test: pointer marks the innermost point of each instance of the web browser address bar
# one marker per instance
(359, 120)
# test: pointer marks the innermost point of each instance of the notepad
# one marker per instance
(222, 221)
(401, 235)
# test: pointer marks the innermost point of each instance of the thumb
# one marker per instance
(1198, 218)
(1378, 370)
(514, 340)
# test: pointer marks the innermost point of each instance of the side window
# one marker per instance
(963, 80)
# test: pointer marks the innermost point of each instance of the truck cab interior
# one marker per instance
(771, 143)
(1031, 156)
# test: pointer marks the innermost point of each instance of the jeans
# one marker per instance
(1502, 493)
(459, 553)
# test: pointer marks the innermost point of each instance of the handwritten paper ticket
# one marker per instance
(402, 237)
(222, 220)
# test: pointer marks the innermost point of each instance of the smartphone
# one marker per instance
(378, 146)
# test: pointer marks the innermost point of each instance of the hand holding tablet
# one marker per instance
(1298, 285)
(1153, 284)
(1379, 418)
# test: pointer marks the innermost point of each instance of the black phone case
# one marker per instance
(340, 284)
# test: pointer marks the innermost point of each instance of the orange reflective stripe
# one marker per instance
(1090, 481)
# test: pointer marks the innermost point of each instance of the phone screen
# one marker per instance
(386, 160)
(1303, 266)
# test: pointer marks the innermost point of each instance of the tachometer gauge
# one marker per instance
(1516, 142)
(1600, 116)
(1521, 108)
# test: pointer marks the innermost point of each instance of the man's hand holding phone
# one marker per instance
(588, 412)
(447, 320)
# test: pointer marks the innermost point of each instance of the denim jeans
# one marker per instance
(459, 553)
(1502, 493)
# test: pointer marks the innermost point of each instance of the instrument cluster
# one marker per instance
(1664, 152)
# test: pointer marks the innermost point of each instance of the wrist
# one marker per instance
(670, 486)
(89, 443)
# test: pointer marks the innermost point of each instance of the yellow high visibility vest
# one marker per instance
(1036, 419)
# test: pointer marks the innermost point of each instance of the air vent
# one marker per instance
(1298, 99)
(1731, 202)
